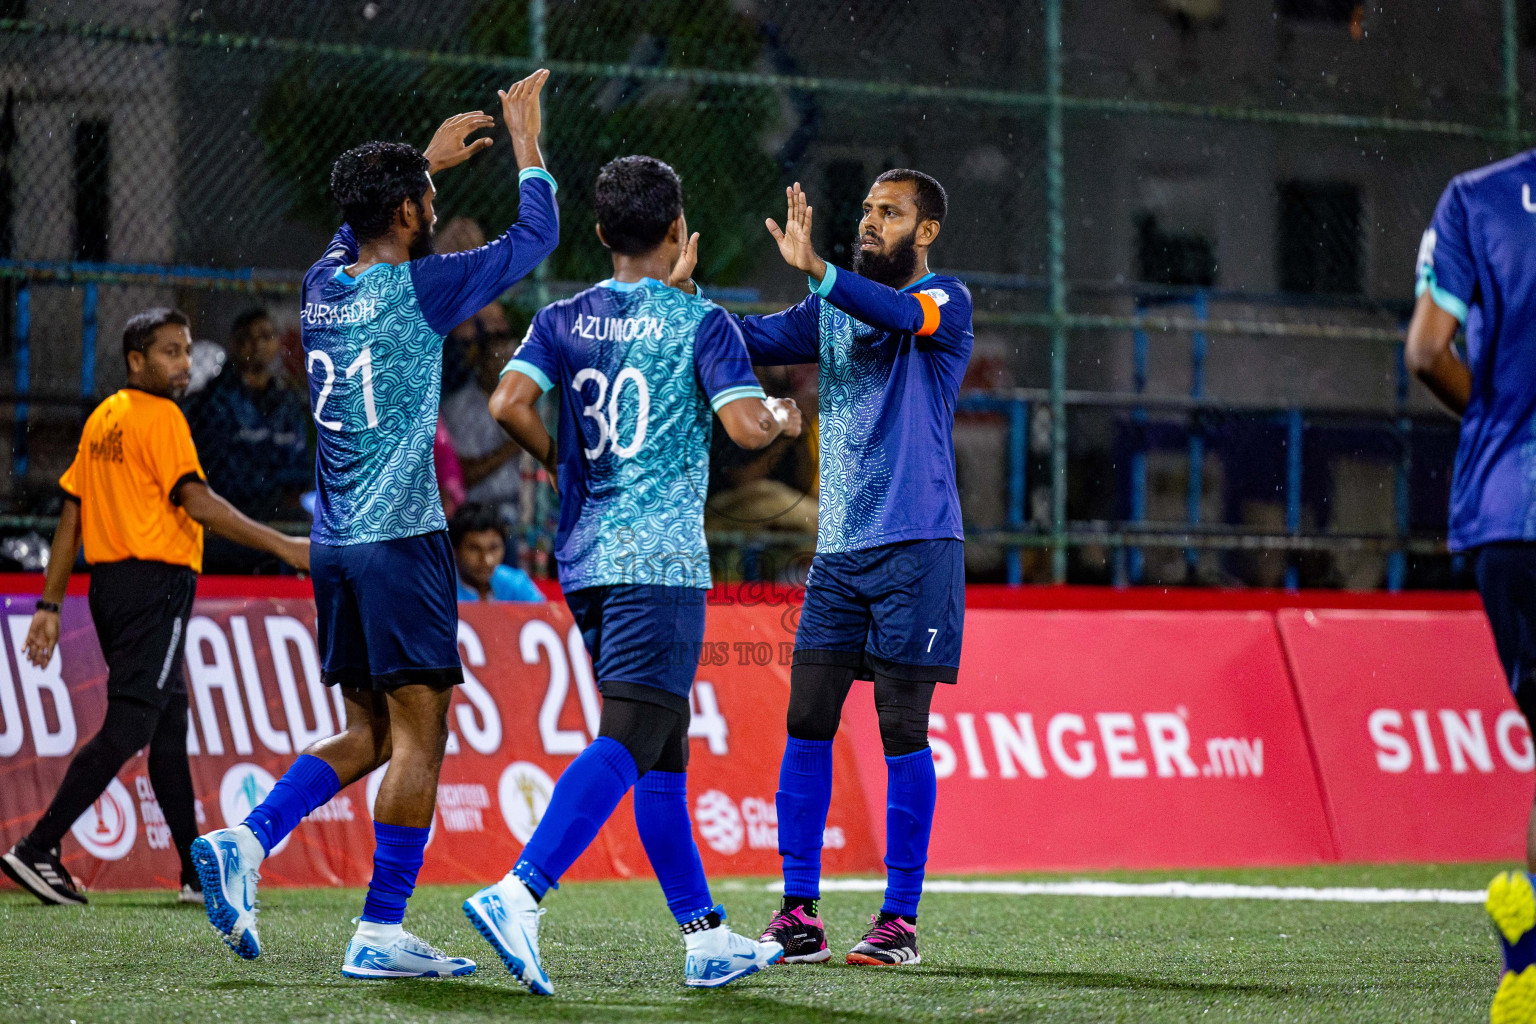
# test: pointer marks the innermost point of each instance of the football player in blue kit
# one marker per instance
(1475, 272)
(885, 595)
(376, 309)
(641, 369)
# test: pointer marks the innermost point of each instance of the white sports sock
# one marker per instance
(250, 847)
(378, 934)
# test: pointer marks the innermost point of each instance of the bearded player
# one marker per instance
(885, 596)
(376, 309)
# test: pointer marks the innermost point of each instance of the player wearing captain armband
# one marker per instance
(376, 308)
(885, 596)
(641, 370)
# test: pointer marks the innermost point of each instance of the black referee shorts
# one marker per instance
(140, 610)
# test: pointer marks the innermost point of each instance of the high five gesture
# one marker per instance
(795, 240)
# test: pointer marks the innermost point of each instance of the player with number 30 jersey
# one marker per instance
(641, 369)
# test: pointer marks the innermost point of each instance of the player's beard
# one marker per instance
(421, 245)
(894, 267)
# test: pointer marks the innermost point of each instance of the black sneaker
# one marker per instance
(41, 873)
(890, 942)
(798, 928)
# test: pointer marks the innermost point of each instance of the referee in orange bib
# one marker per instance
(136, 495)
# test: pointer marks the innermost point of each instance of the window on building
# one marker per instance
(1321, 247)
(1339, 11)
(842, 199)
(93, 197)
(1173, 257)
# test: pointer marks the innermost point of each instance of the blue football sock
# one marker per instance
(396, 860)
(661, 815)
(911, 790)
(583, 799)
(805, 793)
(307, 784)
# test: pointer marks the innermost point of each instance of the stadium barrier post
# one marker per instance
(1055, 201)
(1293, 442)
(88, 340)
(23, 377)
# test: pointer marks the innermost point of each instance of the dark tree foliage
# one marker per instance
(713, 135)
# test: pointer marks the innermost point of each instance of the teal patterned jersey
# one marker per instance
(373, 352)
(891, 366)
(640, 368)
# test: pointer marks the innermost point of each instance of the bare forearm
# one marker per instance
(522, 422)
(1448, 379)
(61, 557)
(478, 468)
(218, 515)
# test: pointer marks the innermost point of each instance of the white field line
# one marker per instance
(1169, 890)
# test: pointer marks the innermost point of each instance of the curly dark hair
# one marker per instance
(140, 329)
(473, 517)
(637, 199)
(931, 199)
(370, 182)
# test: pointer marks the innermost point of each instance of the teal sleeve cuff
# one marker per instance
(730, 395)
(1444, 299)
(528, 173)
(530, 371)
(825, 287)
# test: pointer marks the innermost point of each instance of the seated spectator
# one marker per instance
(461, 233)
(479, 544)
(492, 470)
(252, 433)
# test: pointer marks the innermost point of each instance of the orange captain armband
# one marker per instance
(930, 315)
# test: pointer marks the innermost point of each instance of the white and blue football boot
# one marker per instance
(507, 916)
(227, 870)
(380, 951)
(718, 956)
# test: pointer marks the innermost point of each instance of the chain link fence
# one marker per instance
(1186, 223)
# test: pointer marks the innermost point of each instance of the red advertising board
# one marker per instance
(1114, 739)
(1422, 753)
(528, 707)
(1089, 737)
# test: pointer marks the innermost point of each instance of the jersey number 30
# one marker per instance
(362, 364)
(607, 420)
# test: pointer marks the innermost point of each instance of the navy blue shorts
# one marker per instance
(1506, 579)
(644, 640)
(897, 610)
(387, 612)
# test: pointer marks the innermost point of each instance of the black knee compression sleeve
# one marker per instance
(649, 732)
(816, 695)
(903, 710)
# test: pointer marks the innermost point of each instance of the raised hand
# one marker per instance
(795, 240)
(448, 148)
(520, 112)
(681, 277)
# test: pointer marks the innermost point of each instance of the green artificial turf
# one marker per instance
(615, 957)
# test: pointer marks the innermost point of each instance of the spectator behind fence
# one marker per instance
(490, 459)
(462, 233)
(253, 433)
(479, 544)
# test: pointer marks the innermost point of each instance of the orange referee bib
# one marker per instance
(135, 449)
